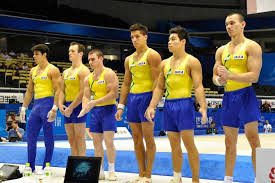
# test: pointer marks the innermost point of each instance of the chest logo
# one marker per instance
(43, 77)
(238, 57)
(142, 63)
(72, 78)
(179, 72)
(101, 82)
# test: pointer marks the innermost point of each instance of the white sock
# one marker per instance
(177, 175)
(111, 167)
(255, 180)
(101, 171)
(228, 179)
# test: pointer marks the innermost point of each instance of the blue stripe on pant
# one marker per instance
(37, 119)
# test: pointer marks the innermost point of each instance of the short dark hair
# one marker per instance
(213, 122)
(81, 47)
(42, 48)
(182, 33)
(98, 52)
(241, 17)
(142, 28)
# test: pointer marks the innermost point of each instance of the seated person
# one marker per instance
(16, 133)
(267, 127)
(211, 129)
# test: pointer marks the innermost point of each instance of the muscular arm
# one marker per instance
(160, 86)
(254, 65)
(82, 74)
(87, 93)
(29, 92)
(62, 91)
(154, 60)
(56, 80)
(196, 75)
(218, 63)
(112, 88)
(125, 88)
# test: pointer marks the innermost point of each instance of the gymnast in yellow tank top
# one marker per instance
(235, 63)
(99, 88)
(175, 76)
(141, 74)
(42, 84)
(72, 84)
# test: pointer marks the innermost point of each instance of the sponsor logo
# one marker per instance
(72, 78)
(238, 57)
(142, 63)
(226, 58)
(44, 77)
(272, 175)
(169, 72)
(101, 82)
(179, 72)
(132, 65)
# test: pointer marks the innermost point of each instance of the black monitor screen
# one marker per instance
(82, 169)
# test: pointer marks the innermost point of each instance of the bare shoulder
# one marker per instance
(220, 50)
(193, 61)
(252, 45)
(163, 63)
(153, 53)
(110, 73)
(54, 69)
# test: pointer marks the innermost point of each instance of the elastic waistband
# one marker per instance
(178, 99)
(43, 99)
(98, 107)
(239, 90)
(150, 92)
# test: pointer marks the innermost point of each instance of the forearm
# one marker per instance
(56, 97)
(249, 77)
(85, 101)
(157, 95)
(214, 79)
(61, 98)
(19, 134)
(200, 96)
(125, 89)
(77, 100)
(27, 99)
(109, 97)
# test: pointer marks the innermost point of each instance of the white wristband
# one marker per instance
(55, 107)
(23, 108)
(121, 106)
(217, 81)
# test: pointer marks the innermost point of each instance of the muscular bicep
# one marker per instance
(154, 61)
(87, 90)
(254, 59)
(82, 75)
(196, 73)
(112, 81)
(161, 77)
(127, 76)
(30, 86)
(218, 58)
(56, 79)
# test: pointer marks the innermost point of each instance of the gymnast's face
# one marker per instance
(138, 39)
(234, 26)
(175, 43)
(94, 60)
(38, 56)
(73, 53)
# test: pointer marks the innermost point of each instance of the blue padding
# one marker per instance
(212, 166)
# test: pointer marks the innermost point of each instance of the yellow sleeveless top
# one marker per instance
(42, 84)
(235, 63)
(72, 85)
(99, 87)
(141, 74)
(177, 82)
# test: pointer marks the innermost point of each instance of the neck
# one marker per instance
(179, 54)
(142, 49)
(237, 39)
(98, 70)
(76, 63)
(43, 64)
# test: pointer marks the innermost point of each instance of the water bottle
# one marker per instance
(27, 171)
(48, 170)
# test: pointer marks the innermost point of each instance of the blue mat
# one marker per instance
(212, 166)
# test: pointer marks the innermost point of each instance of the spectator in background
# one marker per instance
(24, 66)
(15, 133)
(12, 54)
(267, 127)
(266, 107)
(211, 129)
(3, 66)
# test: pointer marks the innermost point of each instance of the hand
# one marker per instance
(150, 114)
(91, 105)
(68, 111)
(83, 112)
(203, 112)
(51, 115)
(62, 109)
(221, 81)
(118, 114)
(22, 116)
(223, 72)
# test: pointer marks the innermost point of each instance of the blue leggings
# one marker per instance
(37, 119)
